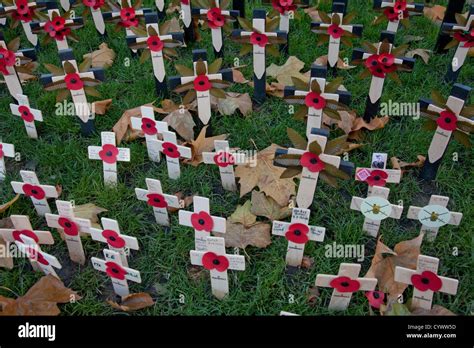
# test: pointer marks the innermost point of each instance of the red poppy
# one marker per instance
(24, 17)
(345, 284)
(212, 261)
(18, 233)
(95, 4)
(297, 233)
(215, 19)
(391, 14)
(21, 6)
(171, 150)
(149, 126)
(73, 82)
(315, 100)
(224, 159)
(7, 59)
(113, 239)
(202, 221)
(377, 178)
(312, 162)
(465, 36)
(335, 31)
(109, 153)
(185, 2)
(69, 227)
(202, 83)
(259, 39)
(115, 271)
(427, 280)
(375, 298)
(58, 23)
(447, 120)
(156, 200)
(154, 43)
(283, 6)
(387, 61)
(128, 16)
(25, 113)
(34, 191)
(1, 151)
(37, 256)
(400, 5)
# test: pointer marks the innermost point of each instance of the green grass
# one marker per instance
(60, 156)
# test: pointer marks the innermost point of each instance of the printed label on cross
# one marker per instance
(27, 114)
(214, 258)
(376, 208)
(109, 154)
(71, 228)
(173, 152)
(41, 260)
(345, 284)
(110, 234)
(24, 16)
(425, 281)
(378, 174)
(202, 222)
(119, 274)
(6, 150)
(434, 215)
(298, 232)
(160, 202)
(151, 128)
(396, 11)
(38, 193)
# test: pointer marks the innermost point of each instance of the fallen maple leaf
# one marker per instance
(238, 76)
(435, 13)
(284, 73)
(268, 207)
(123, 128)
(101, 58)
(202, 144)
(399, 164)
(234, 101)
(421, 52)
(243, 215)
(323, 60)
(182, 122)
(374, 124)
(100, 107)
(133, 302)
(345, 123)
(238, 236)
(90, 212)
(7, 205)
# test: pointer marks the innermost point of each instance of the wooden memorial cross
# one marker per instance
(6, 150)
(202, 222)
(376, 208)
(316, 97)
(40, 261)
(160, 6)
(187, 17)
(449, 118)
(205, 80)
(109, 154)
(71, 227)
(258, 38)
(173, 152)
(95, 7)
(27, 114)
(215, 259)
(454, 6)
(383, 60)
(160, 201)
(378, 174)
(118, 273)
(22, 228)
(434, 215)
(66, 4)
(38, 193)
(335, 28)
(151, 128)
(345, 284)
(239, 5)
(77, 80)
(425, 281)
(298, 232)
(110, 234)
(396, 11)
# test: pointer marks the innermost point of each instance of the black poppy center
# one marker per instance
(345, 284)
(379, 70)
(201, 83)
(425, 280)
(374, 63)
(34, 192)
(297, 233)
(155, 43)
(112, 238)
(68, 225)
(22, 7)
(115, 270)
(216, 262)
(384, 60)
(108, 153)
(25, 113)
(201, 221)
(73, 81)
(376, 295)
(157, 200)
(170, 149)
(313, 160)
(259, 38)
(148, 125)
(58, 22)
(447, 120)
(316, 100)
(128, 14)
(377, 177)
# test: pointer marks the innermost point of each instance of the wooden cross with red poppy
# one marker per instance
(6, 150)
(110, 234)
(95, 7)
(376, 208)
(463, 39)
(425, 281)
(317, 97)
(396, 12)
(259, 37)
(109, 154)
(39, 260)
(118, 273)
(22, 228)
(27, 114)
(452, 9)
(380, 61)
(448, 118)
(345, 283)
(378, 174)
(335, 28)
(187, 17)
(173, 152)
(215, 259)
(160, 201)
(298, 232)
(285, 9)
(151, 128)
(71, 228)
(202, 222)
(38, 193)
(434, 215)
(200, 83)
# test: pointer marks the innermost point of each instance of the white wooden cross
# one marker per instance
(186, 14)
(109, 154)
(53, 13)
(378, 174)
(6, 150)
(151, 128)
(298, 232)
(425, 281)
(173, 152)
(42, 261)
(390, 4)
(12, 80)
(462, 51)
(38, 193)
(65, 4)
(202, 222)
(434, 215)
(160, 201)
(119, 274)
(345, 284)
(376, 208)
(215, 259)
(27, 114)
(98, 19)
(110, 234)
(71, 228)
(32, 38)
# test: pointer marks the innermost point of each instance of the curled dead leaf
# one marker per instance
(133, 302)
(202, 144)
(100, 107)
(399, 164)
(102, 58)
(268, 207)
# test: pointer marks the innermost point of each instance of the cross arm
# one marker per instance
(449, 285)
(403, 275)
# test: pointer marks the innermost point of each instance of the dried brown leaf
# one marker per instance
(133, 302)
(237, 236)
(102, 58)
